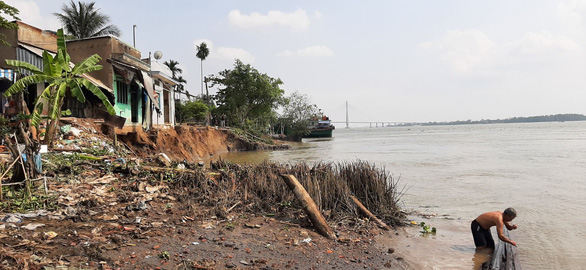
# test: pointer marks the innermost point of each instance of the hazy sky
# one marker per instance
(391, 60)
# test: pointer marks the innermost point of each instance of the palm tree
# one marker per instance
(174, 67)
(202, 54)
(175, 71)
(62, 78)
(84, 20)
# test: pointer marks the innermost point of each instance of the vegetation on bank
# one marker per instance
(329, 184)
(530, 119)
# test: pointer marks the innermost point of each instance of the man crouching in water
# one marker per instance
(481, 227)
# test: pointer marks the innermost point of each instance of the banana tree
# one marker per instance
(62, 78)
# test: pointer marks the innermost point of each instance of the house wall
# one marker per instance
(104, 47)
(81, 49)
(166, 103)
(8, 51)
(34, 36)
(29, 35)
(125, 109)
(107, 47)
(25, 34)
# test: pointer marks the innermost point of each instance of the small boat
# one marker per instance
(320, 127)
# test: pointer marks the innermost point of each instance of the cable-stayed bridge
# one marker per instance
(341, 115)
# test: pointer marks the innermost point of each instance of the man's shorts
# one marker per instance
(482, 237)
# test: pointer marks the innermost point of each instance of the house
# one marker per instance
(143, 96)
(125, 73)
(164, 94)
(27, 44)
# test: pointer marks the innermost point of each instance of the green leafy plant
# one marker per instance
(427, 229)
(230, 226)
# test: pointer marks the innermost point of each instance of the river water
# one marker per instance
(458, 172)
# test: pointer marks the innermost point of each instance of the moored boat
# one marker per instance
(320, 127)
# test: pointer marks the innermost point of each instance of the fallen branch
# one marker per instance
(309, 206)
(369, 214)
(230, 209)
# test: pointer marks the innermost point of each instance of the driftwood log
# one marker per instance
(365, 211)
(504, 256)
(309, 206)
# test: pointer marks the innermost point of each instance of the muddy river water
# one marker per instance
(458, 172)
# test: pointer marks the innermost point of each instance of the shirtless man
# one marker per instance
(482, 224)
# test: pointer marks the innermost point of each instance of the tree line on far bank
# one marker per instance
(529, 119)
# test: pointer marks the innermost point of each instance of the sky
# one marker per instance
(392, 61)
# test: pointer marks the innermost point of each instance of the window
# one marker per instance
(121, 92)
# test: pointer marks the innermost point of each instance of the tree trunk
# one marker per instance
(50, 132)
(309, 206)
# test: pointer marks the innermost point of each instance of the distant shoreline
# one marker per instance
(530, 119)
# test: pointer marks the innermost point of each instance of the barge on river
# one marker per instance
(320, 128)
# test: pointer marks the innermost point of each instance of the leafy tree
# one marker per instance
(296, 114)
(62, 78)
(187, 111)
(84, 20)
(247, 96)
(5, 23)
(202, 54)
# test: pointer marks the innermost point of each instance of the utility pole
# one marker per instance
(134, 36)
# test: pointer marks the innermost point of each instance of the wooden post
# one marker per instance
(309, 206)
(369, 214)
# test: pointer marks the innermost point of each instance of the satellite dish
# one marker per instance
(158, 55)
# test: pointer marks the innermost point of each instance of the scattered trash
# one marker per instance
(137, 206)
(195, 243)
(70, 211)
(121, 161)
(306, 240)
(75, 131)
(50, 235)
(12, 218)
(164, 159)
(33, 226)
(65, 129)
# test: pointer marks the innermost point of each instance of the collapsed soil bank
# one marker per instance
(191, 143)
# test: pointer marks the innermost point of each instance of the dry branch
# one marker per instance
(369, 214)
(309, 206)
